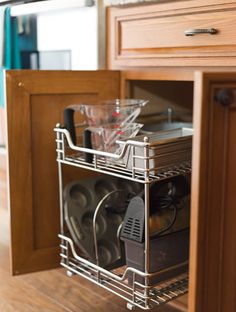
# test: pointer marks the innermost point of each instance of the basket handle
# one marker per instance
(69, 123)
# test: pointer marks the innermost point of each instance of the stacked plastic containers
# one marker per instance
(112, 120)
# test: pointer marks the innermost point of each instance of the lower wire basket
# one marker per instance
(165, 252)
(116, 281)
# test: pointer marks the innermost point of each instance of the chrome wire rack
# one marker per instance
(115, 164)
(136, 294)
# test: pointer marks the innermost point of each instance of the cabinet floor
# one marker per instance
(53, 291)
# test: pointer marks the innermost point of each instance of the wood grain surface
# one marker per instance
(153, 35)
(212, 244)
(35, 103)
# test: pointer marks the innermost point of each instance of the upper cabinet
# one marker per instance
(172, 33)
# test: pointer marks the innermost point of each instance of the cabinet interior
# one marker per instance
(170, 105)
(162, 95)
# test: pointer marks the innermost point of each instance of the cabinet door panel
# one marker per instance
(213, 247)
(35, 103)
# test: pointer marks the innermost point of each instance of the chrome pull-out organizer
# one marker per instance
(137, 162)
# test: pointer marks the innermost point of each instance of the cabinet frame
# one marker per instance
(213, 199)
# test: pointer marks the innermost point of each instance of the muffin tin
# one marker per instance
(80, 201)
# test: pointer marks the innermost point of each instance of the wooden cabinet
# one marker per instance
(206, 89)
(213, 198)
(172, 33)
(153, 36)
(34, 107)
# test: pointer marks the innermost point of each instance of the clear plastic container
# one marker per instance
(117, 112)
(104, 138)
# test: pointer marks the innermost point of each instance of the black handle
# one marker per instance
(69, 123)
(225, 97)
(88, 144)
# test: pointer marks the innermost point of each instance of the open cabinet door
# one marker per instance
(35, 103)
(213, 231)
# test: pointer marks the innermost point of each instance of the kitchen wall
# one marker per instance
(72, 30)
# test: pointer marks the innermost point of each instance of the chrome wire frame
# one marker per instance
(136, 294)
(112, 164)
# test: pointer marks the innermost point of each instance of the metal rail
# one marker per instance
(137, 294)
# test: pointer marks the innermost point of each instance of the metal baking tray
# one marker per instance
(165, 149)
